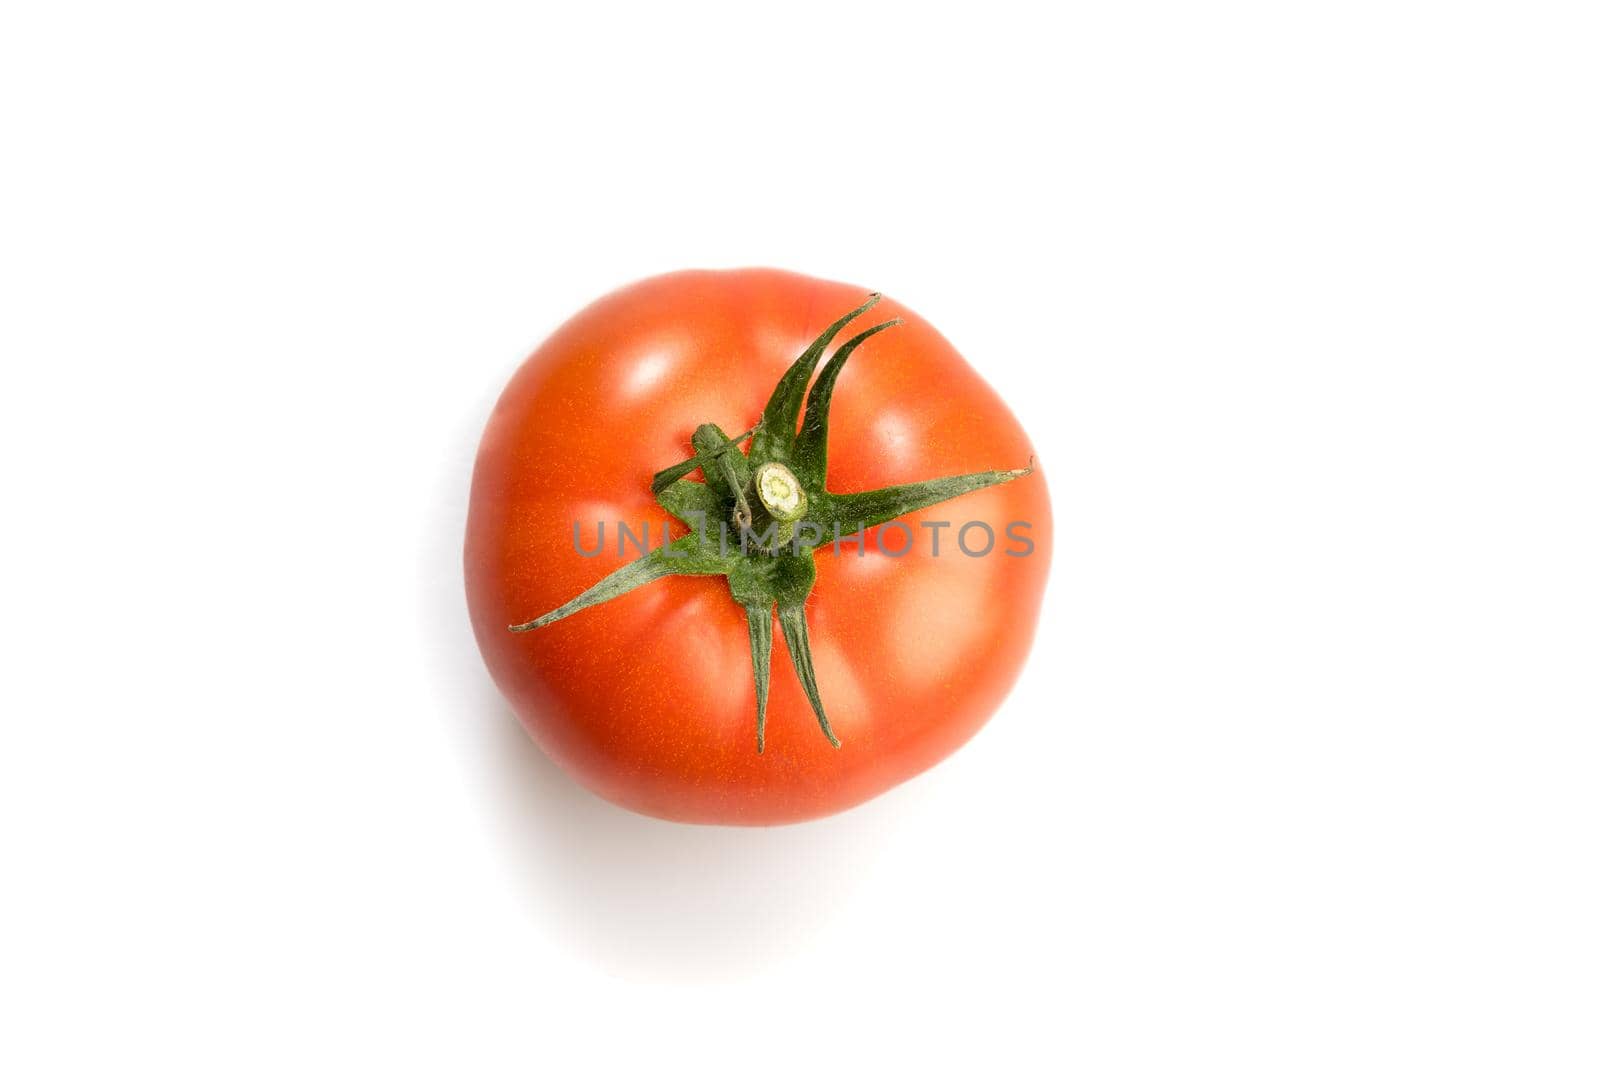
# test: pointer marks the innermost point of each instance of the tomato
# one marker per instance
(647, 691)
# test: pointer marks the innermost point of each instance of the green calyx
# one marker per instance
(758, 516)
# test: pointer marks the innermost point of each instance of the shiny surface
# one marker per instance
(648, 699)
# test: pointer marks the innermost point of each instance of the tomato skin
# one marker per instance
(649, 699)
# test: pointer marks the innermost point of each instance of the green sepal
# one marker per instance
(811, 447)
(753, 582)
(792, 576)
(727, 471)
(774, 437)
(848, 511)
(758, 618)
(665, 477)
(696, 503)
(793, 621)
(688, 555)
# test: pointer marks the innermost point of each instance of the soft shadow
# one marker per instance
(638, 896)
(649, 898)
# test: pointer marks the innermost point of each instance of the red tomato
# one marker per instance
(649, 699)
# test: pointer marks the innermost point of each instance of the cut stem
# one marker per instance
(780, 492)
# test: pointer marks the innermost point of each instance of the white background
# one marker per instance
(1297, 300)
